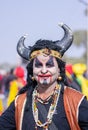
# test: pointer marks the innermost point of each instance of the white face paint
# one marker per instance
(45, 69)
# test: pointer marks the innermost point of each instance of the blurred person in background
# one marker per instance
(8, 78)
(85, 75)
(46, 102)
(71, 77)
(79, 70)
(2, 96)
(1, 106)
(16, 84)
(1, 102)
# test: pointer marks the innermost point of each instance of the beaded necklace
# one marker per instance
(46, 101)
(51, 109)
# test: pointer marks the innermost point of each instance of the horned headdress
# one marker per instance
(54, 48)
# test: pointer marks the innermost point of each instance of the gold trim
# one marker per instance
(45, 51)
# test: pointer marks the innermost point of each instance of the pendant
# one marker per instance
(45, 128)
(36, 127)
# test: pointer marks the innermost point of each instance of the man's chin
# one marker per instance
(45, 82)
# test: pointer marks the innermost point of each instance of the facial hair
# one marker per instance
(44, 82)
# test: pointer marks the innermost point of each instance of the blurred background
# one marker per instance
(39, 19)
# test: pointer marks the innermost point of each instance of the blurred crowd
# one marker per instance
(11, 82)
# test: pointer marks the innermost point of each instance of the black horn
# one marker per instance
(67, 40)
(23, 51)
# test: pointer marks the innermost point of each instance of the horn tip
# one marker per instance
(25, 35)
(61, 24)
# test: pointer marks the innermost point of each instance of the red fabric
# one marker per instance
(1, 77)
(69, 68)
(19, 72)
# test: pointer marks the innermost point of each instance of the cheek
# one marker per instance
(54, 71)
(36, 71)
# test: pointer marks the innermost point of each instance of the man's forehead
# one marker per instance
(44, 58)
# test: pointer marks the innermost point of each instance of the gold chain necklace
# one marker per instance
(50, 112)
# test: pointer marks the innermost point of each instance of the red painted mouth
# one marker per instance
(43, 75)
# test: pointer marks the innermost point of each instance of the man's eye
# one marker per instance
(38, 65)
(50, 62)
(50, 65)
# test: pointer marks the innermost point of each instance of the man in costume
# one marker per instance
(46, 102)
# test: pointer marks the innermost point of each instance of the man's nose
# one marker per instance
(44, 70)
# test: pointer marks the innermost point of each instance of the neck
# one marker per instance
(45, 91)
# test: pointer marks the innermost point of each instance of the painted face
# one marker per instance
(45, 69)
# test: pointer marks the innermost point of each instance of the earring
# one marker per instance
(59, 78)
(33, 78)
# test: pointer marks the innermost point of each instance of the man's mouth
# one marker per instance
(43, 75)
(44, 78)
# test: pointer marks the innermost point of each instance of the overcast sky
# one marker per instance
(39, 19)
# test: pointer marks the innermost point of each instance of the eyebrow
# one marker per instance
(37, 62)
(50, 61)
